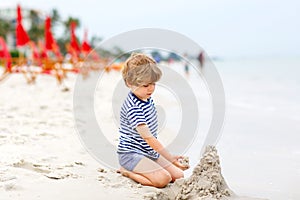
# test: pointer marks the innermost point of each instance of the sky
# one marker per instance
(225, 28)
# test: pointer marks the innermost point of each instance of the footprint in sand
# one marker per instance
(51, 172)
(8, 182)
(32, 167)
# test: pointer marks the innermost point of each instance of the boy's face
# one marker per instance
(143, 91)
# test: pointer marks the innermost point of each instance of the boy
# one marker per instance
(141, 156)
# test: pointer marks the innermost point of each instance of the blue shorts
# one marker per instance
(130, 160)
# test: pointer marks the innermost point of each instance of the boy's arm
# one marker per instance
(144, 131)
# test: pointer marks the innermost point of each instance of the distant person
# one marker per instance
(29, 71)
(141, 156)
(201, 59)
(170, 60)
(186, 64)
(157, 58)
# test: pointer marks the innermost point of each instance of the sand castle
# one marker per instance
(206, 180)
(205, 183)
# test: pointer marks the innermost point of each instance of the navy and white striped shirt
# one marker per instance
(134, 112)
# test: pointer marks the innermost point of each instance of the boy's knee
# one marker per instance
(162, 180)
(177, 175)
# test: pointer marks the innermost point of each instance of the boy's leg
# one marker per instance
(134, 176)
(148, 172)
(158, 176)
(174, 171)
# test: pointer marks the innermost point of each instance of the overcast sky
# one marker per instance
(221, 27)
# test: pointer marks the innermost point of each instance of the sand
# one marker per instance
(42, 156)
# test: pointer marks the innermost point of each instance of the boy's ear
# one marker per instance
(127, 84)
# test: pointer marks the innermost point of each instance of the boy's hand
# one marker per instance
(181, 162)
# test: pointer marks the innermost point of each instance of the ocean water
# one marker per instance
(259, 146)
(267, 84)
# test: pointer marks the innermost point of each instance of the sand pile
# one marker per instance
(206, 182)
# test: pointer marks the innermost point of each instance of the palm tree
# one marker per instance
(5, 28)
(63, 40)
(55, 18)
(36, 30)
(67, 25)
(95, 41)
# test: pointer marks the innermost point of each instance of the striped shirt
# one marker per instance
(134, 112)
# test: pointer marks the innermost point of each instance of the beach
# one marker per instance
(43, 157)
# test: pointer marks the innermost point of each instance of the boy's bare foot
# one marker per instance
(123, 171)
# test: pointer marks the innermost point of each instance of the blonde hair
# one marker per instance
(139, 69)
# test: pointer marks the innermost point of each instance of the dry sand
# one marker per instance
(41, 154)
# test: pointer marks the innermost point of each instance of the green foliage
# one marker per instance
(14, 53)
(55, 18)
(62, 44)
(67, 25)
(5, 28)
(95, 41)
(36, 30)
